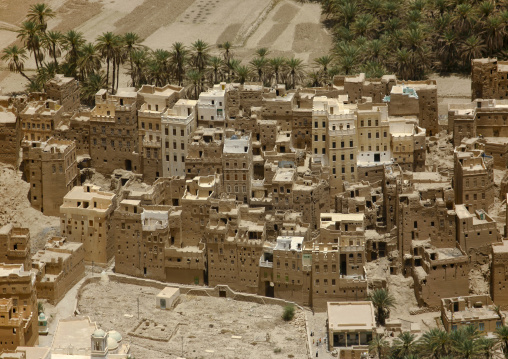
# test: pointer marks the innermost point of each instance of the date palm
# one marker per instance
(404, 345)
(89, 61)
(89, 87)
(467, 348)
(139, 70)
(72, 42)
(262, 52)
(382, 301)
(195, 77)
(106, 44)
(324, 62)
(242, 74)
(227, 51)
(200, 55)
(118, 59)
(435, 343)
(501, 334)
(15, 57)
(131, 43)
(494, 32)
(276, 66)
(40, 13)
(472, 48)
(296, 70)
(32, 39)
(179, 55)
(46, 72)
(378, 346)
(231, 67)
(53, 41)
(487, 347)
(215, 65)
(259, 65)
(159, 67)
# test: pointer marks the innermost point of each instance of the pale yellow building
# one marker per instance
(85, 217)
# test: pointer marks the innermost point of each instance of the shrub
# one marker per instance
(288, 313)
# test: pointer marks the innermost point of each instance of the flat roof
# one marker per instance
(289, 243)
(7, 117)
(75, 332)
(284, 175)
(169, 292)
(351, 316)
(500, 247)
(236, 145)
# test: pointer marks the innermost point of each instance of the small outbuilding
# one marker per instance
(166, 298)
(350, 324)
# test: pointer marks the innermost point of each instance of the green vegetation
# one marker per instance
(382, 301)
(412, 37)
(40, 307)
(98, 65)
(466, 342)
(288, 312)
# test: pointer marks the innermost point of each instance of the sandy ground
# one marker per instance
(452, 89)
(204, 325)
(15, 208)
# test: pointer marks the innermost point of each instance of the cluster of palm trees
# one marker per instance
(465, 343)
(194, 66)
(411, 37)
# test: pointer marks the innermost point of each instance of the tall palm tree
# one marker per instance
(39, 13)
(242, 74)
(15, 57)
(231, 67)
(89, 60)
(324, 62)
(32, 39)
(378, 346)
(382, 301)
(131, 43)
(501, 334)
(487, 347)
(106, 44)
(200, 55)
(72, 42)
(314, 79)
(195, 77)
(467, 348)
(178, 61)
(159, 66)
(46, 72)
(89, 87)
(473, 47)
(262, 52)
(435, 343)
(139, 62)
(404, 345)
(494, 32)
(215, 64)
(118, 59)
(276, 66)
(227, 51)
(53, 41)
(296, 70)
(259, 65)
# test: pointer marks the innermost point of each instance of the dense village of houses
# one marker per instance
(285, 194)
